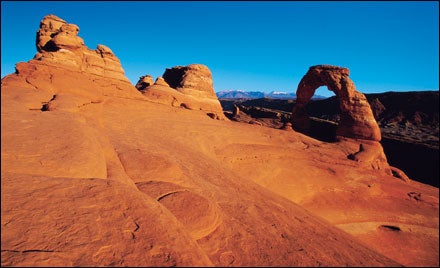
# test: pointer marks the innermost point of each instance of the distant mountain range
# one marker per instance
(241, 94)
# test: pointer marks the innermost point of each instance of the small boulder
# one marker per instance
(144, 82)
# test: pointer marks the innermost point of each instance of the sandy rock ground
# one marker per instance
(125, 181)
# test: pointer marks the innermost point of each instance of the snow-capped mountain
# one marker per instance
(241, 94)
(281, 95)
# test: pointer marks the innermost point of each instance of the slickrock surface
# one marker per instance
(190, 87)
(95, 174)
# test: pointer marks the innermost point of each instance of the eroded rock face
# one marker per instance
(58, 44)
(377, 107)
(64, 66)
(144, 82)
(190, 87)
(357, 120)
(194, 80)
(122, 182)
(49, 26)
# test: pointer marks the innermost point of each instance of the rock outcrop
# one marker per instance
(357, 120)
(93, 174)
(377, 107)
(55, 33)
(144, 82)
(58, 43)
(194, 80)
(63, 65)
(189, 86)
(356, 117)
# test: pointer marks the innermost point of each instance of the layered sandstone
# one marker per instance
(356, 117)
(144, 82)
(58, 44)
(94, 175)
(63, 65)
(357, 120)
(189, 87)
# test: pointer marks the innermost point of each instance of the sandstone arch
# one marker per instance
(357, 120)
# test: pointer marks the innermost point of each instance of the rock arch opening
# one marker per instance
(324, 115)
(356, 118)
(323, 92)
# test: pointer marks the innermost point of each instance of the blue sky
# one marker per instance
(253, 46)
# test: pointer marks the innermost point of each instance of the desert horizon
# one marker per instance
(98, 170)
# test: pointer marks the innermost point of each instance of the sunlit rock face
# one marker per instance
(95, 174)
(190, 87)
(144, 82)
(194, 80)
(58, 44)
(357, 120)
(65, 73)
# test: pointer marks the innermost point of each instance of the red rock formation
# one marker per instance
(398, 173)
(105, 178)
(49, 27)
(58, 44)
(144, 82)
(65, 73)
(189, 86)
(194, 80)
(357, 120)
(377, 107)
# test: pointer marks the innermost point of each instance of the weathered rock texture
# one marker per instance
(194, 80)
(66, 75)
(144, 82)
(111, 179)
(189, 87)
(357, 120)
(58, 44)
